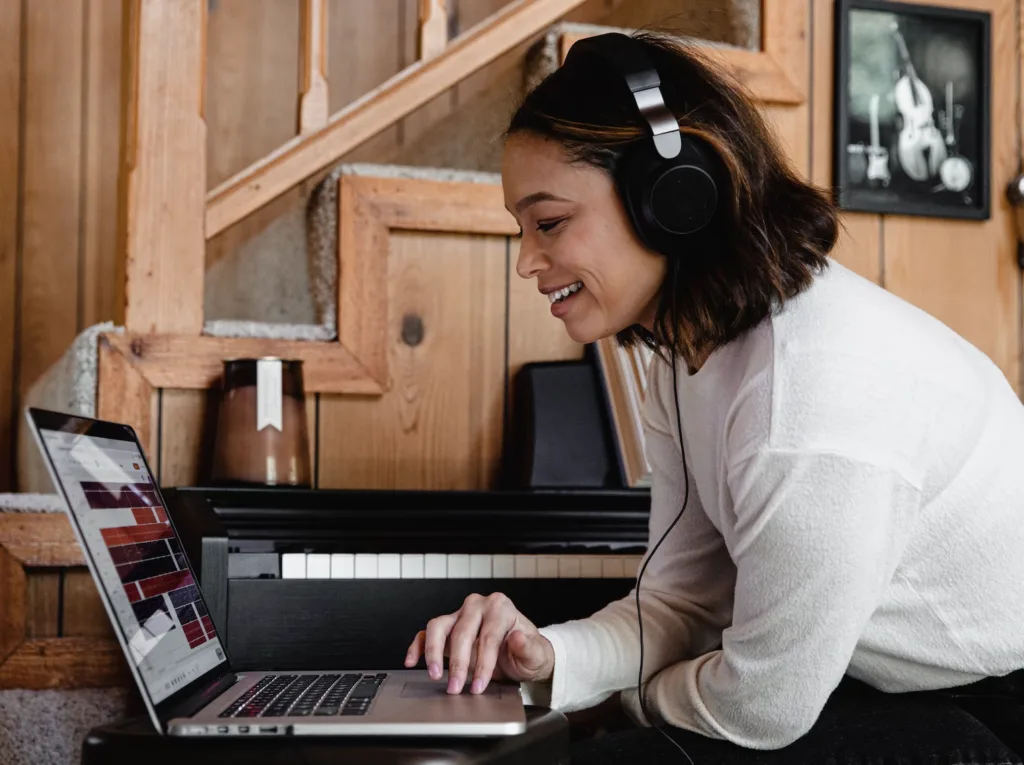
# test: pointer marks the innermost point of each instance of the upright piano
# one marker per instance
(313, 579)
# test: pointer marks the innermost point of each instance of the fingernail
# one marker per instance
(408, 660)
(478, 685)
(435, 672)
(454, 686)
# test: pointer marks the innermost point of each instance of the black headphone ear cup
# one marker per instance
(667, 200)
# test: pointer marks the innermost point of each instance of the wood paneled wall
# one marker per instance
(59, 102)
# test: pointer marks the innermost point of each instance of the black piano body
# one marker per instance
(317, 579)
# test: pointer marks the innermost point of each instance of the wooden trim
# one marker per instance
(313, 101)
(399, 96)
(186, 362)
(65, 663)
(773, 75)
(46, 540)
(433, 29)
(163, 167)
(124, 394)
(132, 365)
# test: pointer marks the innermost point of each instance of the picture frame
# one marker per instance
(912, 109)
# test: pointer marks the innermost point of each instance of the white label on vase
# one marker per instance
(268, 394)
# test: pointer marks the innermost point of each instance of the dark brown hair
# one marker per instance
(773, 230)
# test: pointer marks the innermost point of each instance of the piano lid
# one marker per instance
(490, 521)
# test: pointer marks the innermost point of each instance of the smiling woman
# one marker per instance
(836, 532)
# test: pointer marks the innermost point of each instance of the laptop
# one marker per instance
(182, 668)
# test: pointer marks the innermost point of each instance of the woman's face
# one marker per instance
(577, 241)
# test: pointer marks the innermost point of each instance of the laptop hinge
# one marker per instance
(195, 702)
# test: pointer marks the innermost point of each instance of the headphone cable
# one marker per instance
(639, 616)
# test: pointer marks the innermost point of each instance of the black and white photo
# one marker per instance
(912, 102)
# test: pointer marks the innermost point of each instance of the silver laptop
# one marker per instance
(181, 667)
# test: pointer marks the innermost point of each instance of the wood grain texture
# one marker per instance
(160, 232)
(964, 272)
(65, 663)
(42, 603)
(124, 395)
(786, 40)
(182, 361)
(377, 110)
(860, 239)
(13, 596)
(40, 540)
(102, 294)
(51, 185)
(10, 135)
(185, 435)
(439, 426)
(313, 94)
(84, 614)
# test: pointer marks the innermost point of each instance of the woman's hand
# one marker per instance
(487, 638)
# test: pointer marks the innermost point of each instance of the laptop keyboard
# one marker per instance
(307, 695)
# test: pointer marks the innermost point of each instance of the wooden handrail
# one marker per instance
(402, 94)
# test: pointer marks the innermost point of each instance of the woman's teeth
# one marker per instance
(559, 295)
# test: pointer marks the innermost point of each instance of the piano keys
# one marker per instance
(431, 566)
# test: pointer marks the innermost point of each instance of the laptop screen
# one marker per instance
(162, 617)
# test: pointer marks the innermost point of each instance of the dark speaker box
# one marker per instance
(559, 436)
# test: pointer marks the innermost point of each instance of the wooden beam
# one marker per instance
(40, 539)
(125, 396)
(314, 101)
(163, 166)
(433, 31)
(186, 362)
(772, 75)
(65, 663)
(303, 156)
(10, 199)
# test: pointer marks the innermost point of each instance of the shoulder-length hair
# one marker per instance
(773, 230)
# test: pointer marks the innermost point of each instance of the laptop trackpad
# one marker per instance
(427, 689)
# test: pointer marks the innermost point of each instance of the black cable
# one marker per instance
(686, 498)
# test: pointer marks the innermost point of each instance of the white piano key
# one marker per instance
(503, 566)
(318, 566)
(293, 566)
(547, 566)
(412, 566)
(343, 566)
(526, 566)
(612, 567)
(435, 566)
(366, 566)
(568, 567)
(479, 566)
(590, 566)
(631, 565)
(389, 566)
(458, 566)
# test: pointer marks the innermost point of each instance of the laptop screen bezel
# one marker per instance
(42, 419)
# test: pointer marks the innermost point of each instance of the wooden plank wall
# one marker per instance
(58, 148)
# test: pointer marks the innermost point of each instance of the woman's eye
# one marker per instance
(548, 225)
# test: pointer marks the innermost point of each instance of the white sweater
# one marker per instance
(856, 507)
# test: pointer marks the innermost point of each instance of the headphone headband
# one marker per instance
(631, 61)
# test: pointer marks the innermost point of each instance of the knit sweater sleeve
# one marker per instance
(818, 537)
(685, 597)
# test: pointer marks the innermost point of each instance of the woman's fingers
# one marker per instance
(434, 639)
(462, 642)
(499, 616)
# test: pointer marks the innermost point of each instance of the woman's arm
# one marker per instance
(686, 593)
(819, 536)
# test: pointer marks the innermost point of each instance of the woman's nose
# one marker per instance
(531, 261)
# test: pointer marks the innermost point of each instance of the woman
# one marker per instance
(836, 547)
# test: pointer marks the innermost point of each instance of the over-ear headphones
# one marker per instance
(667, 184)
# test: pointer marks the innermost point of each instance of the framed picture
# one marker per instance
(912, 109)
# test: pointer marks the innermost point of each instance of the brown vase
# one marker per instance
(262, 438)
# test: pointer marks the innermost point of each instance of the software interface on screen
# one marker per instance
(169, 633)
